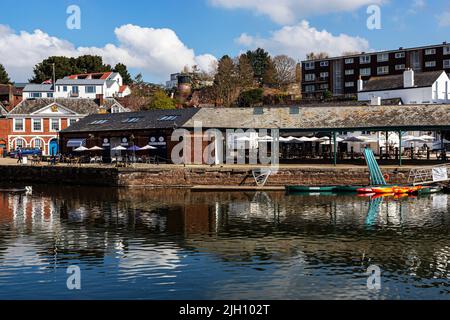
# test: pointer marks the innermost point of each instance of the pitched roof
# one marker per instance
(324, 118)
(62, 82)
(78, 105)
(38, 88)
(395, 82)
(153, 119)
(4, 90)
(123, 88)
(3, 111)
(99, 75)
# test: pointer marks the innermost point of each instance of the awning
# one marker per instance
(75, 143)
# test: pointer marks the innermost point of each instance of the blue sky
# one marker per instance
(162, 36)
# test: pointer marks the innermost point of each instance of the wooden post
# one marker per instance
(400, 148)
(335, 148)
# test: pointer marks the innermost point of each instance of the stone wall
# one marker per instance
(186, 177)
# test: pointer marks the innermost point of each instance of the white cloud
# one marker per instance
(444, 19)
(155, 52)
(300, 39)
(290, 11)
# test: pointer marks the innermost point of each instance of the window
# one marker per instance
(365, 72)
(310, 77)
(54, 125)
(309, 65)
(19, 125)
(324, 86)
(49, 94)
(310, 88)
(349, 61)
(400, 67)
(65, 89)
(381, 57)
(349, 72)
(446, 64)
(38, 143)
(349, 84)
(90, 89)
(36, 125)
(383, 70)
(35, 95)
(399, 55)
(364, 59)
(324, 74)
(430, 64)
(99, 122)
(324, 63)
(429, 52)
(20, 143)
(168, 118)
(72, 121)
(131, 120)
(75, 90)
(447, 50)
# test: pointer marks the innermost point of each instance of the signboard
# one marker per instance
(106, 143)
(160, 141)
(124, 142)
(440, 174)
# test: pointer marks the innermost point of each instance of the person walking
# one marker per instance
(19, 156)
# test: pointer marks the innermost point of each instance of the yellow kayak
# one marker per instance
(383, 190)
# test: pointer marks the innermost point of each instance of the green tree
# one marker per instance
(270, 74)
(91, 64)
(245, 72)
(251, 97)
(4, 77)
(123, 71)
(160, 100)
(225, 81)
(260, 61)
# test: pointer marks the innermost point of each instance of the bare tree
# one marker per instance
(315, 56)
(285, 70)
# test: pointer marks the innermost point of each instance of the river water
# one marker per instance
(177, 244)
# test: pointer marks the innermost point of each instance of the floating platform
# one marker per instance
(236, 188)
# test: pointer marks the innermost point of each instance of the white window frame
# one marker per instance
(447, 50)
(365, 59)
(310, 77)
(324, 86)
(349, 72)
(324, 63)
(32, 125)
(71, 120)
(350, 84)
(400, 67)
(382, 57)
(446, 61)
(430, 64)
(15, 121)
(310, 65)
(36, 95)
(33, 144)
(349, 61)
(24, 145)
(400, 55)
(50, 125)
(324, 74)
(365, 74)
(383, 70)
(429, 52)
(310, 88)
(95, 89)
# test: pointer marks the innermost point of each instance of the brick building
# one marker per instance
(339, 75)
(36, 123)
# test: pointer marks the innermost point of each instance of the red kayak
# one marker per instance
(365, 190)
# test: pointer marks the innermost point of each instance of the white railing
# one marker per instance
(423, 176)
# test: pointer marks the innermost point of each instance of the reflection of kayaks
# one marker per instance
(365, 190)
(362, 195)
(383, 195)
(292, 189)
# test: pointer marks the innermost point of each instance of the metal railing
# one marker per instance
(424, 176)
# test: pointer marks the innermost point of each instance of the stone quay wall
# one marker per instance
(187, 177)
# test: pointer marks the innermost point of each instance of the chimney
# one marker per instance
(360, 85)
(11, 96)
(408, 78)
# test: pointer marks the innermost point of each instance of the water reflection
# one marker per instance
(174, 244)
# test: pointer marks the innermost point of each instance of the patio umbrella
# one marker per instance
(148, 147)
(408, 137)
(416, 140)
(81, 149)
(288, 139)
(354, 139)
(95, 149)
(426, 137)
(119, 148)
(134, 148)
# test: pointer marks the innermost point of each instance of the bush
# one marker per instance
(251, 97)
(160, 100)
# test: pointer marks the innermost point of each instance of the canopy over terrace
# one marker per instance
(327, 119)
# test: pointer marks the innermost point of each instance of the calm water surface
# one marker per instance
(174, 244)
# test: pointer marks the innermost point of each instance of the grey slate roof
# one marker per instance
(324, 118)
(80, 106)
(38, 88)
(395, 82)
(147, 120)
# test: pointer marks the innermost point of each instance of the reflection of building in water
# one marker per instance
(261, 206)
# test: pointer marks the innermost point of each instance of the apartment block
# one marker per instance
(340, 75)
